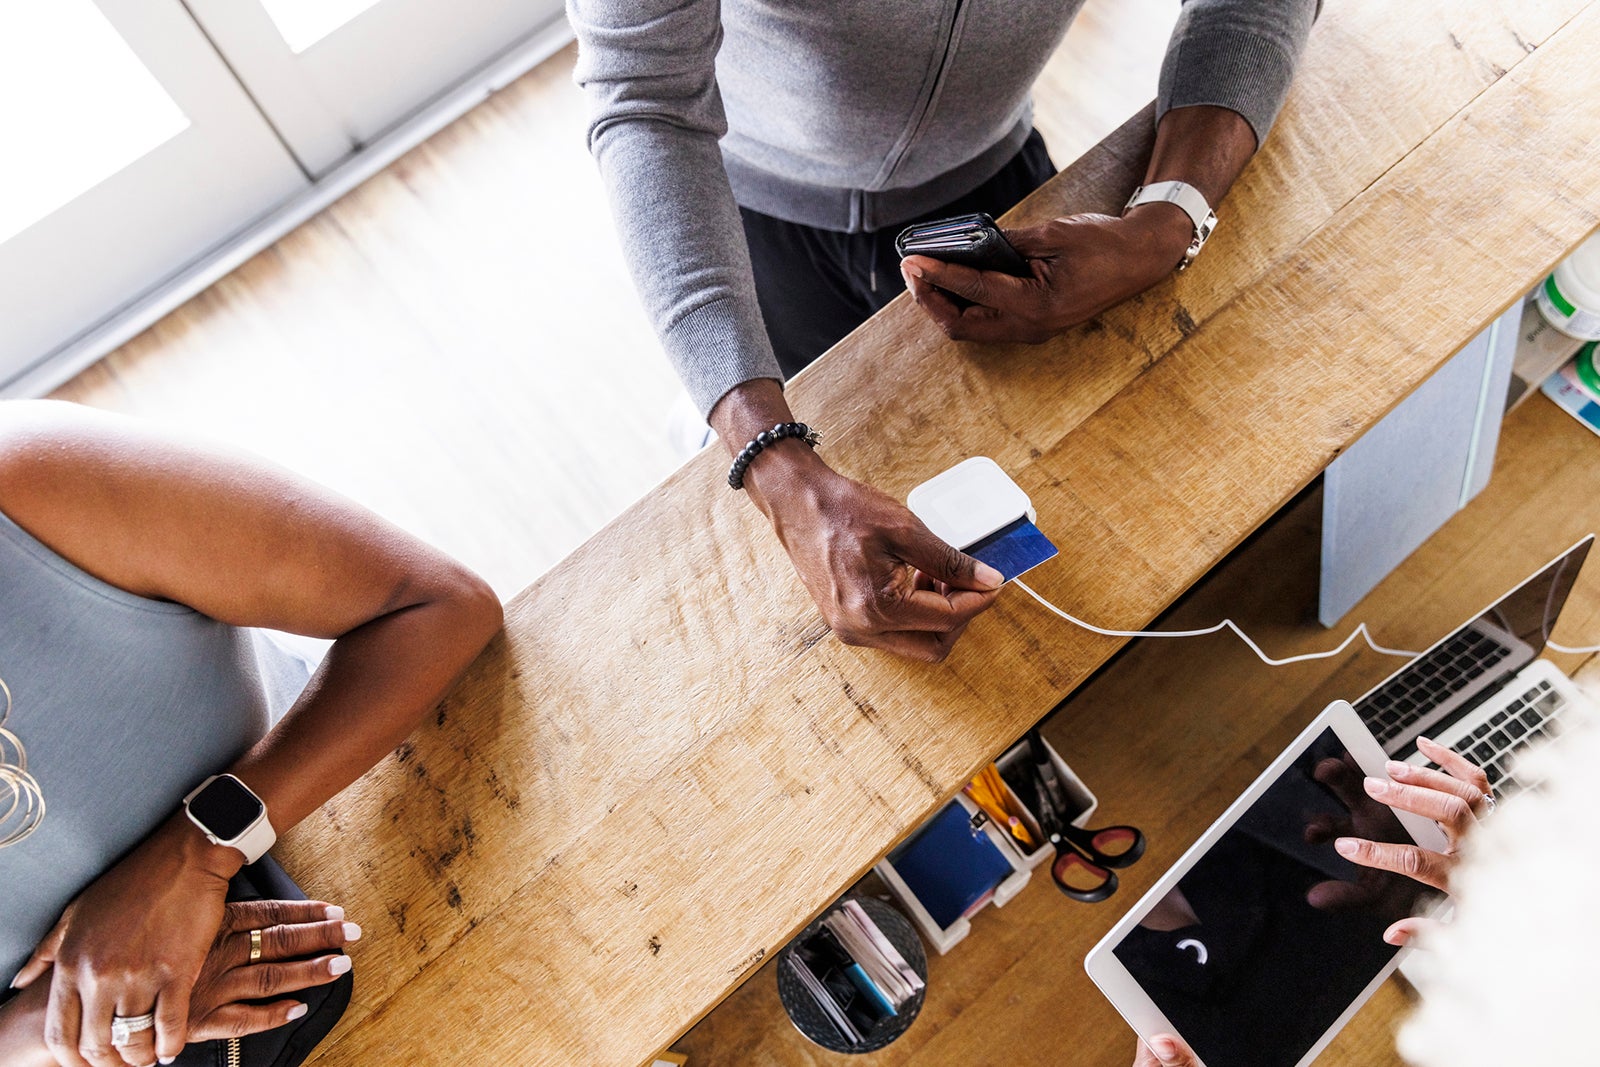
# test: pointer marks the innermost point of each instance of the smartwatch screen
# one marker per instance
(226, 808)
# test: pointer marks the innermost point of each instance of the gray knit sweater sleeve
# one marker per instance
(648, 67)
(1237, 54)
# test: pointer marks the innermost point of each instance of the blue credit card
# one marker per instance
(1013, 550)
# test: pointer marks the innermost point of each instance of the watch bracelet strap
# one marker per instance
(1187, 199)
(258, 840)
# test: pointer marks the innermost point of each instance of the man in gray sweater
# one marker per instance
(760, 156)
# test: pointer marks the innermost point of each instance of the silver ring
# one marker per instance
(123, 1027)
(1488, 798)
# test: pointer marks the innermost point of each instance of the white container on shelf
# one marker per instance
(944, 938)
(1569, 298)
(1078, 796)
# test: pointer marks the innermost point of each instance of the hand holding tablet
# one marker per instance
(1262, 941)
(1164, 1051)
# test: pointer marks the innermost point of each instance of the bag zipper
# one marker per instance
(233, 1052)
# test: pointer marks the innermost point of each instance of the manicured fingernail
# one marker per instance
(1427, 741)
(296, 1012)
(339, 965)
(1376, 787)
(1166, 1049)
(1397, 769)
(169, 1059)
(987, 576)
(913, 270)
(352, 932)
(1394, 937)
(1345, 846)
(334, 913)
(15, 980)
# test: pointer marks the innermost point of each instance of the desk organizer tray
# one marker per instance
(1078, 796)
(1015, 866)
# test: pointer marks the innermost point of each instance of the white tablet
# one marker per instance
(1262, 941)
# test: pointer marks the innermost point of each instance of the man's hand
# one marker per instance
(1081, 266)
(880, 577)
(878, 574)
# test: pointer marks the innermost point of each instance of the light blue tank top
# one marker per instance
(124, 705)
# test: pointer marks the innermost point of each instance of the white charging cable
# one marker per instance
(1579, 651)
(1360, 631)
(1226, 624)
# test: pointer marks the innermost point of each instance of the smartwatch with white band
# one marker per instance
(230, 814)
(1193, 203)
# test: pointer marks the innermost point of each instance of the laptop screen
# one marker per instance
(1460, 671)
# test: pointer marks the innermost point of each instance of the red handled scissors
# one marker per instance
(1086, 860)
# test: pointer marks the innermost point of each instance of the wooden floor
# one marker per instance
(417, 348)
(1171, 732)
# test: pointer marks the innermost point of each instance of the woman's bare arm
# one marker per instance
(249, 544)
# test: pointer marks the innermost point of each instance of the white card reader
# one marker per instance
(970, 501)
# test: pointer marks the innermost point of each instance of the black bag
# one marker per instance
(290, 1044)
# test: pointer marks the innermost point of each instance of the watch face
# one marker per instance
(226, 808)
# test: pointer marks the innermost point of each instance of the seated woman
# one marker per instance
(132, 563)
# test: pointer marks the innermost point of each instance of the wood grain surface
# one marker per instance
(666, 766)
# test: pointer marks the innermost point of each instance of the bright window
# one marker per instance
(305, 22)
(76, 107)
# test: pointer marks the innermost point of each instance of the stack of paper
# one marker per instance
(885, 968)
(851, 971)
(825, 1000)
(1576, 387)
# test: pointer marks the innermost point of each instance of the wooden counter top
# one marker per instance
(667, 765)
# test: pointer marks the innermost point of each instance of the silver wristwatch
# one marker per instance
(1190, 200)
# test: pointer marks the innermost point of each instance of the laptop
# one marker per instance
(1483, 690)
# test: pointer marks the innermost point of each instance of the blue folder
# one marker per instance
(949, 866)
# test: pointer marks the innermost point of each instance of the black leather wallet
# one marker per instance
(971, 240)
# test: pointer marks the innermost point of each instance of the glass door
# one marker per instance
(130, 150)
(143, 136)
(334, 75)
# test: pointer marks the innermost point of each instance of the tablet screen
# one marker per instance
(1271, 935)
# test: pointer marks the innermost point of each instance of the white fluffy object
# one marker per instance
(1515, 978)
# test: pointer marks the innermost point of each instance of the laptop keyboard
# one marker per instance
(1406, 699)
(1493, 744)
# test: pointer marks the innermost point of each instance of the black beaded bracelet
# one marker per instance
(741, 463)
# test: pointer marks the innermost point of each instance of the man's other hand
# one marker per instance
(1081, 265)
(881, 578)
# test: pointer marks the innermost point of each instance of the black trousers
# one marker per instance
(816, 285)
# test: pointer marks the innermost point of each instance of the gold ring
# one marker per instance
(255, 946)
